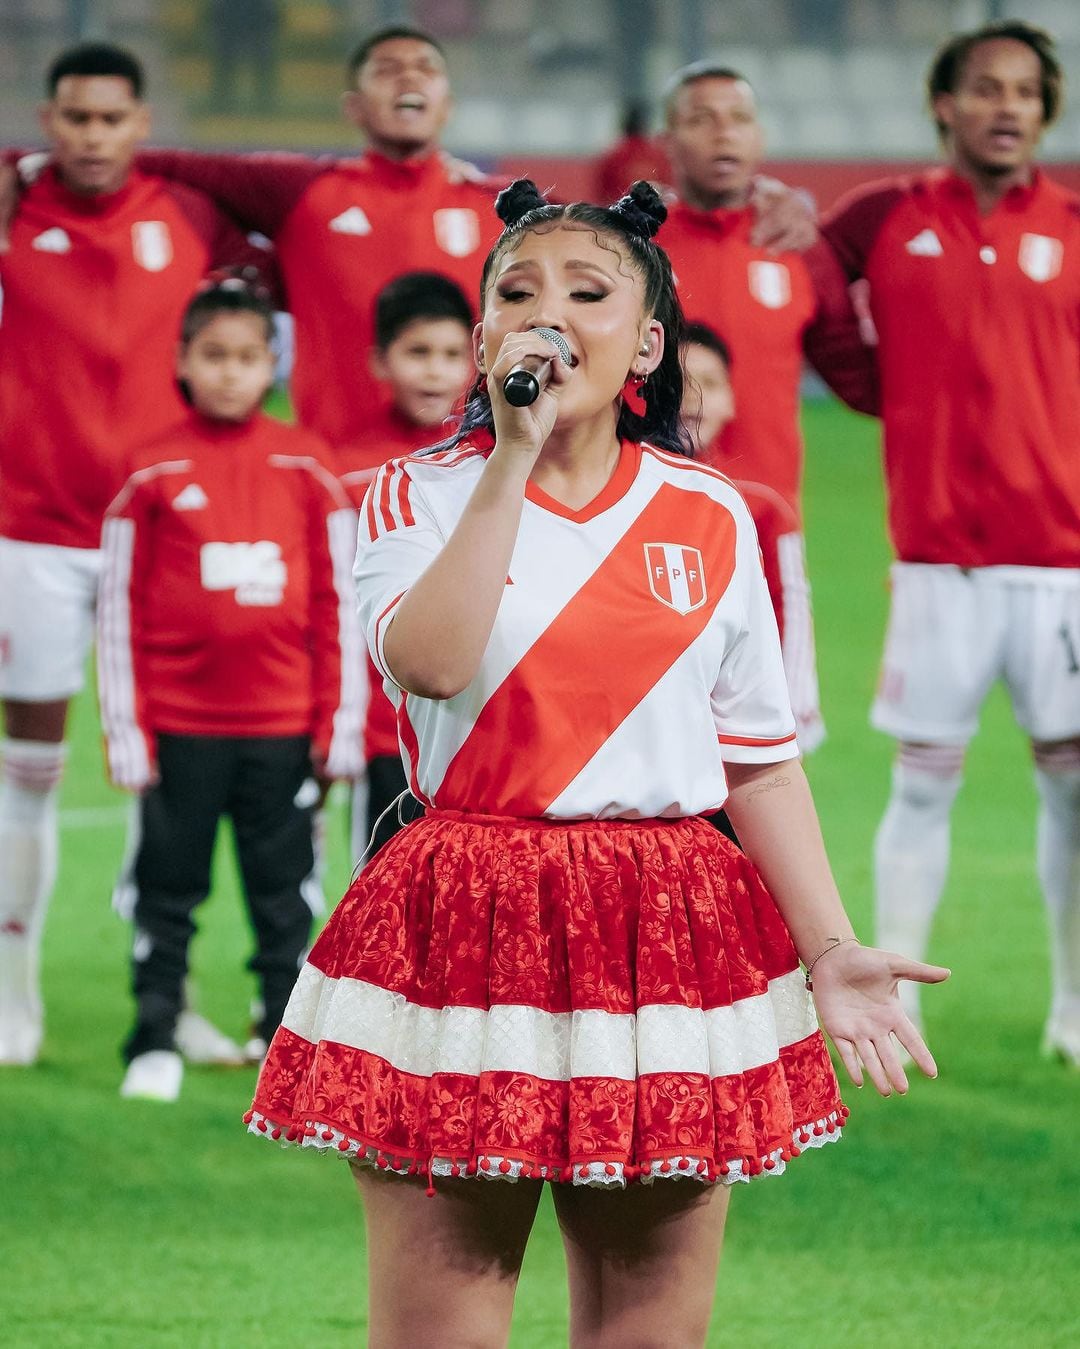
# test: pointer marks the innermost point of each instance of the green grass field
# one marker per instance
(950, 1217)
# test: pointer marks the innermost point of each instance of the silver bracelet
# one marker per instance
(834, 942)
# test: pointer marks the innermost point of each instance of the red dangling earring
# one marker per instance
(633, 394)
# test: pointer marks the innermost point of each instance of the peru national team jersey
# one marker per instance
(226, 603)
(93, 292)
(978, 321)
(634, 650)
(770, 309)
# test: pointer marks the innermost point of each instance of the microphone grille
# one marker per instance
(557, 341)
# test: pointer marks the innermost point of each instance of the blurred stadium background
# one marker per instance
(948, 1219)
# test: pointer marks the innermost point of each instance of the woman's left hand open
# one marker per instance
(855, 995)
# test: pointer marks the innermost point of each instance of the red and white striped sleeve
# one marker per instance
(397, 540)
(750, 701)
(129, 745)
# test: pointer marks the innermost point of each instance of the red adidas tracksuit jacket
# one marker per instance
(978, 322)
(93, 291)
(227, 604)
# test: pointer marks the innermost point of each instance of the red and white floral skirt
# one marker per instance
(593, 1002)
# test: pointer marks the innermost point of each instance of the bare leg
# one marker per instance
(442, 1271)
(642, 1262)
(36, 721)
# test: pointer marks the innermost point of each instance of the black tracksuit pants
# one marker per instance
(256, 782)
(386, 782)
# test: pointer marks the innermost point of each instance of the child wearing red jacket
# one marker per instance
(423, 355)
(230, 667)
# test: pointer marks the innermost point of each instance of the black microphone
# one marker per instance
(523, 384)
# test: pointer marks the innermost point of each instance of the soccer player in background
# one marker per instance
(423, 355)
(230, 667)
(974, 286)
(773, 308)
(343, 228)
(708, 407)
(101, 262)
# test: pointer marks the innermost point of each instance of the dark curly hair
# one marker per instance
(947, 67)
(633, 221)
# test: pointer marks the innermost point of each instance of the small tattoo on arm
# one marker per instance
(771, 785)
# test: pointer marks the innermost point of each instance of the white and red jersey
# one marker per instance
(388, 434)
(634, 650)
(226, 603)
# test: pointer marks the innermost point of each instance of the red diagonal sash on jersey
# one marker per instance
(588, 671)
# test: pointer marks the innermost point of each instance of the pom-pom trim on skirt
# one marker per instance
(594, 1002)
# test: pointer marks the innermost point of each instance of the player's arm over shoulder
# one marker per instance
(257, 190)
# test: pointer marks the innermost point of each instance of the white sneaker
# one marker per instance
(255, 1049)
(154, 1076)
(200, 1041)
(21, 1031)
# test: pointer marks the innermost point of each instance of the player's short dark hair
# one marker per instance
(947, 67)
(697, 70)
(95, 58)
(363, 50)
(227, 293)
(701, 335)
(414, 296)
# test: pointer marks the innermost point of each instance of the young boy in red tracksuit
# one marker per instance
(423, 354)
(230, 666)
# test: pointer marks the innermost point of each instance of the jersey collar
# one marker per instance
(723, 220)
(408, 173)
(613, 490)
(1016, 199)
(96, 203)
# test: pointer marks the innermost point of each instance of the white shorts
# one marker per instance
(954, 633)
(48, 597)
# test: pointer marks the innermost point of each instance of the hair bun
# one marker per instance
(643, 209)
(517, 200)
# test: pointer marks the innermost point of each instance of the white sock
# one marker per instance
(911, 852)
(1058, 858)
(29, 782)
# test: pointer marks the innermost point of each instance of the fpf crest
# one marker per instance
(676, 576)
(457, 231)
